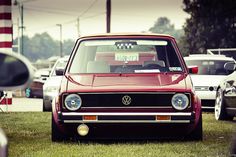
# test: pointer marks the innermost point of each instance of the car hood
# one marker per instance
(127, 82)
(207, 80)
(53, 81)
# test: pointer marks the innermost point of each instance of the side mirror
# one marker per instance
(60, 72)
(3, 144)
(230, 66)
(16, 71)
(193, 69)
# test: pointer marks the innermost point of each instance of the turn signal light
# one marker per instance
(164, 118)
(93, 118)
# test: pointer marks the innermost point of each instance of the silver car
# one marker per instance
(51, 86)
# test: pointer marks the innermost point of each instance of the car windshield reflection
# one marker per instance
(125, 56)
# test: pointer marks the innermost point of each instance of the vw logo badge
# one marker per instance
(126, 100)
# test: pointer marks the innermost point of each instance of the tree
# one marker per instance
(212, 25)
(68, 46)
(43, 46)
(164, 26)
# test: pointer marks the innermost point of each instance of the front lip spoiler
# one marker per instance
(126, 117)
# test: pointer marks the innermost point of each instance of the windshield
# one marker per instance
(209, 67)
(125, 56)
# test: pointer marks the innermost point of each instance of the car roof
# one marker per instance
(126, 34)
(208, 57)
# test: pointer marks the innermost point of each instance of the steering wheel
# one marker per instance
(153, 66)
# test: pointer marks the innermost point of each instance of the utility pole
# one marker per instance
(78, 27)
(60, 26)
(18, 36)
(22, 28)
(108, 13)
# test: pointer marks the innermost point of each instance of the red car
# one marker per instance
(126, 86)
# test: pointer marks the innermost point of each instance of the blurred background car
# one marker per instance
(225, 104)
(210, 72)
(51, 86)
(36, 87)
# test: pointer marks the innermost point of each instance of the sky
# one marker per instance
(126, 16)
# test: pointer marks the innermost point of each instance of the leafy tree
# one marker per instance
(164, 26)
(68, 46)
(43, 46)
(212, 25)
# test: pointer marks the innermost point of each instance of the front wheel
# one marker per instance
(220, 112)
(56, 134)
(196, 134)
(46, 108)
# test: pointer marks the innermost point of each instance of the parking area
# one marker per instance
(23, 105)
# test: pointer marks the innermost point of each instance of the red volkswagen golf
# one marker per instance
(126, 86)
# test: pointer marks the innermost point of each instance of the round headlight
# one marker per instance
(180, 101)
(73, 102)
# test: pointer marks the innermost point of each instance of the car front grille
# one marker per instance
(137, 99)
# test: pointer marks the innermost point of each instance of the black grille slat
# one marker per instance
(126, 118)
(115, 100)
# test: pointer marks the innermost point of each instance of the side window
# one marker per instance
(168, 55)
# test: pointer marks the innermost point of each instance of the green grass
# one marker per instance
(29, 135)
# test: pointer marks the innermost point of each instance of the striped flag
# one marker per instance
(6, 99)
(5, 26)
(6, 38)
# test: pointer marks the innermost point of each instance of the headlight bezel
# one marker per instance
(67, 106)
(183, 97)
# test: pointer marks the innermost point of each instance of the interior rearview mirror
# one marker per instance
(60, 72)
(16, 71)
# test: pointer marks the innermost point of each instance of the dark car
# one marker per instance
(36, 87)
(225, 104)
(126, 86)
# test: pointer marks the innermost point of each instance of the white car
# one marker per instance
(51, 86)
(210, 72)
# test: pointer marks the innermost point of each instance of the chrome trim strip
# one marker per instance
(230, 108)
(141, 107)
(205, 107)
(127, 121)
(126, 113)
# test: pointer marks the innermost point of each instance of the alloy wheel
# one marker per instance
(218, 105)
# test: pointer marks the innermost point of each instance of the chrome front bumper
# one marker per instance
(126, 117)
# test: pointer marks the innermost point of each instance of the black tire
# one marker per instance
(46, 109)
(56, 134)
(220, 111)
(197, 133)
(233, 146)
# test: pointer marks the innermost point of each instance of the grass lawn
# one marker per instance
(29, 135)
